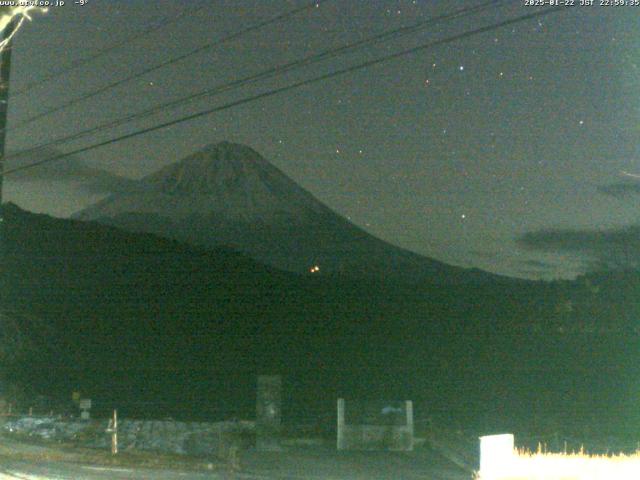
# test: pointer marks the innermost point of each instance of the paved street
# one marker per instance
(273, 467)
(52, 470)
(56, 471)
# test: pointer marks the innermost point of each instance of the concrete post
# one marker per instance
(340, 426)
(408, 406)
(269, 412)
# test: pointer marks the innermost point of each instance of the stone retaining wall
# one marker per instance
(167, 436)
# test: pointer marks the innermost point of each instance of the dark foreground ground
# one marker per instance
(20, 460)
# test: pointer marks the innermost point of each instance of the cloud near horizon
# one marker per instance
(607, 249)
(620, 189)
(68, 170)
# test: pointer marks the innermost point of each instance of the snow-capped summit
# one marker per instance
(237, 182)
(228, 180)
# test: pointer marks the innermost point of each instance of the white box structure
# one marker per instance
(497, 453)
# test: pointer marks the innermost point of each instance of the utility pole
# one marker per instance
(5, 70)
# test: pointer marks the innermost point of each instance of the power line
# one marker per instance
(271, 72)
(295, 85)
(81, 62)
(233, 36)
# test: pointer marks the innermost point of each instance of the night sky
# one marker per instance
(504, 151)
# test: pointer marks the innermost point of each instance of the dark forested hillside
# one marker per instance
(158, 327)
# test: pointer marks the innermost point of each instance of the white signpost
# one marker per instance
(85, 406)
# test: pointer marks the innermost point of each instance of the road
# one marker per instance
(320, 469)
(22, 470)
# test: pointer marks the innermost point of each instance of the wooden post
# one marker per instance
(114, 435)
(112, 428)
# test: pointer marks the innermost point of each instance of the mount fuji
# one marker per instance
(229, 195)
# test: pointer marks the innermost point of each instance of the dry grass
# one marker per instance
(10, 448)
(524, 465)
